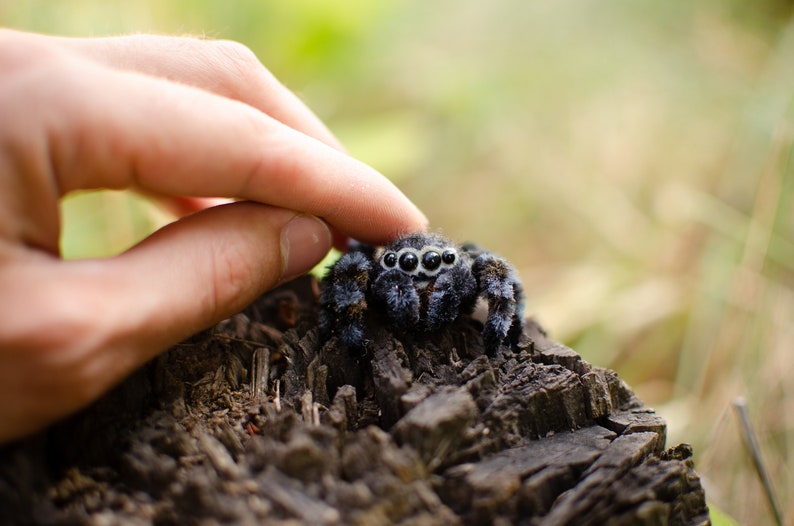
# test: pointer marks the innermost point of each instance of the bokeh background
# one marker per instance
(631, 158)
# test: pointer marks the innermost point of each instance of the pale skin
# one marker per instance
(182, 120)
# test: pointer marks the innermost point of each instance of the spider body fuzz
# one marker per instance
(421, 282)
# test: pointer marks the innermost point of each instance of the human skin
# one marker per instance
(180, 119)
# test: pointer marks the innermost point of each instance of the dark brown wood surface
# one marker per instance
(258, 421)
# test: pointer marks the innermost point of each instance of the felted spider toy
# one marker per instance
(421, 282)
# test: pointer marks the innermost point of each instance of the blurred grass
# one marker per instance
(632, 159)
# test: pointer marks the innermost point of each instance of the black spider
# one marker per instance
(421, 282)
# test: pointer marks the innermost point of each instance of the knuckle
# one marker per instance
(233, 51)
(236, 59)
(20, 52)
(17, 61)
(13, 47)
(238, 70)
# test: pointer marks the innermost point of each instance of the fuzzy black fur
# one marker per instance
(421, 282)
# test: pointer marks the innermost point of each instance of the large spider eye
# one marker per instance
(390, 259)
(431, 260)
(448, 257)
(409, 261)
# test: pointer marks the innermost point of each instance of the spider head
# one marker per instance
(421, 256)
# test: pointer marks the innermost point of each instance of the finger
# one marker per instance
(105, 318)
(209, 265)
(224, 67)
(137, 131)
(182, 206)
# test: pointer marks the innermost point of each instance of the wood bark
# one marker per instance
(258, 420)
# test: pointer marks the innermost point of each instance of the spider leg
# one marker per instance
(500, 286)
(399, 297)
(453, 292)
(343, 301)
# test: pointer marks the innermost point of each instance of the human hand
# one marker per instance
(181, 119)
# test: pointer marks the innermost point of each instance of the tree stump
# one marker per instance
(259, 421)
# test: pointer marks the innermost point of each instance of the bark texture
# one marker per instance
(259, 421)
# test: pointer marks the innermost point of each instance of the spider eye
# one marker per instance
(448, 257)
(390, 259)
(409, 261)
(431, 260)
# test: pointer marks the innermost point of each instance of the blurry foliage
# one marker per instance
(633, 159)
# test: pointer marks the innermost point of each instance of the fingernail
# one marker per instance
(305, 240)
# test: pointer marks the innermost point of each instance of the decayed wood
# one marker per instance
(259, 420)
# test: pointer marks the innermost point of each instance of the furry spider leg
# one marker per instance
(498, 283)
(397, 293)
(453, 292)
(344, 299)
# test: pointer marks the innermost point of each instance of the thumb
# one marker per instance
(211, 264)
(79, 327)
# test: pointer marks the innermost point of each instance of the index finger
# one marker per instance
(224, 67)
(168, 138)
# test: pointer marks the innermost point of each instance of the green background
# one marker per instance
(631, 158)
